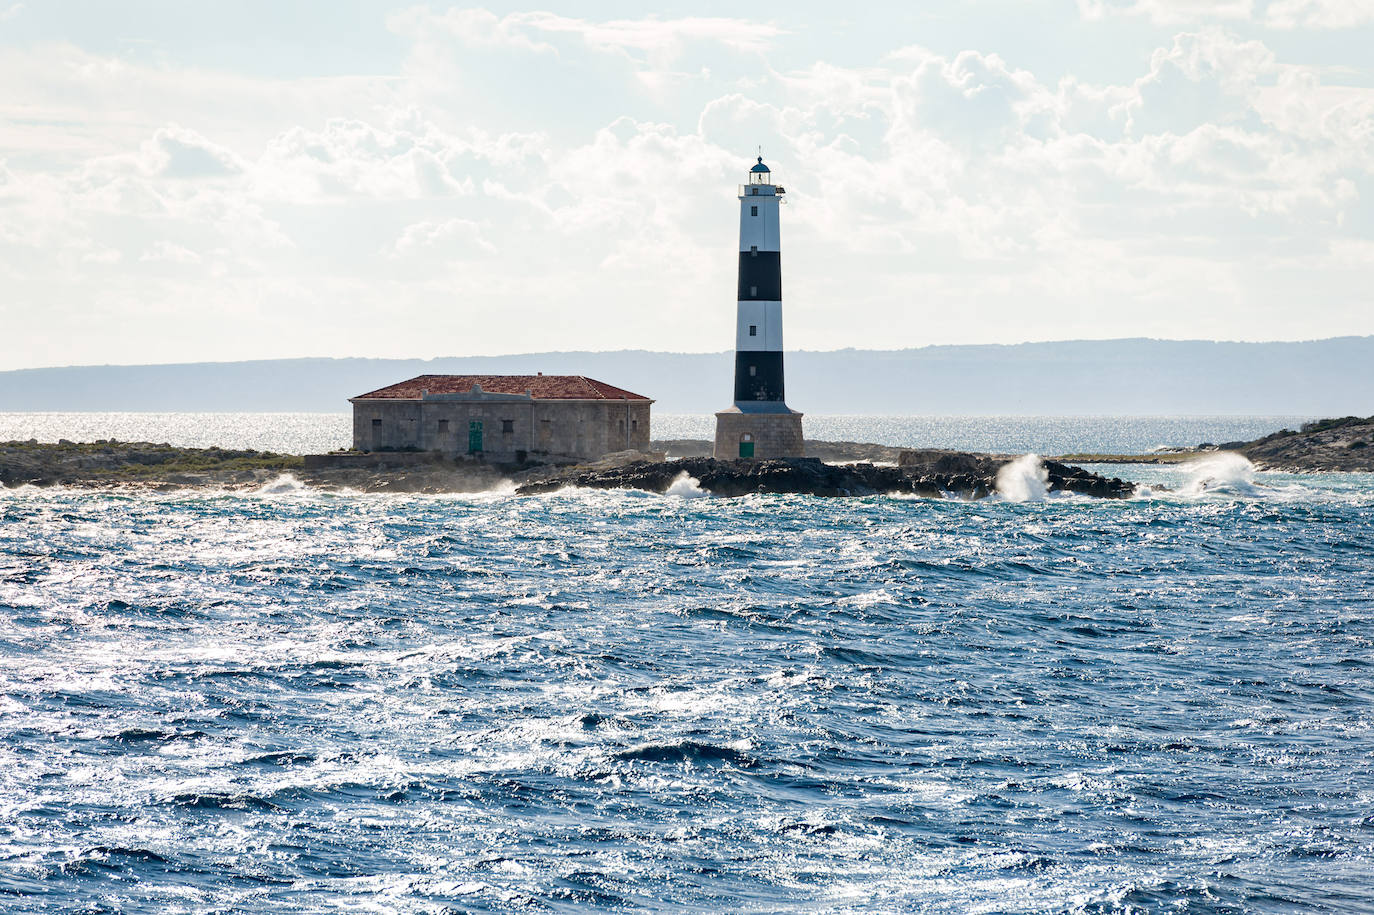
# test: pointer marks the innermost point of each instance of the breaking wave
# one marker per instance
(285, 484)
(1224, 474)
(1024, 480)
(686, 486)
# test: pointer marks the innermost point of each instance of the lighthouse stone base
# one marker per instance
(758, 435)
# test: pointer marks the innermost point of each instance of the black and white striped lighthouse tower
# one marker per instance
(760, 424)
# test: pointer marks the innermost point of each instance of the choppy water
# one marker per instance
(297, 702)
(307, 433)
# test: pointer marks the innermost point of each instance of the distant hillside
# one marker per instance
(1322, 377)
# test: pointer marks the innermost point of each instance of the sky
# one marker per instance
(262, 179)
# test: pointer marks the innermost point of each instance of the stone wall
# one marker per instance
(380, 460)
(773, 435)
(503, 428)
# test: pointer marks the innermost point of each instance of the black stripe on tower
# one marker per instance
(760, 276)
(758, 376)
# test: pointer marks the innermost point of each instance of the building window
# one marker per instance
(753, 370)
(753, 211)
(443, 426)
(507, 426)
(753, 330)
(754, 250)
(376, 424)
(753, 290)
(634, 425)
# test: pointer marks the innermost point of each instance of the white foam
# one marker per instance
(1024, 480)
(1225, 473)
(686, 486)
(286, 484)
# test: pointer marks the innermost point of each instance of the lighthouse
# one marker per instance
(760, 424)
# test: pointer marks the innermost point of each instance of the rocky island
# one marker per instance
(834, 469)
(142, 465)
(1341, 445)
(1344, 445)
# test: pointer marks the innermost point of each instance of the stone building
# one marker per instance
(502, 418)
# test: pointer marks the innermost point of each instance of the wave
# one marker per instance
(687, 751)
(686, 486)
(1024, 480)
(1225, 474)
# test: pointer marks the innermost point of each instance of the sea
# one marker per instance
(289, 700)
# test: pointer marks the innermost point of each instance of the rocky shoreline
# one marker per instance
(1344, 445)
(942, 474)
(833, 469)
(161, 467)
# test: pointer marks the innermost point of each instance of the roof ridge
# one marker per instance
(540, 386)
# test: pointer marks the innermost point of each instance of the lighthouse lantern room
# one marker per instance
(760, 424)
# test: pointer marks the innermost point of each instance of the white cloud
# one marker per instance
(356, 158)
(452, 237)
(659, 39)
(1168, 12)
(1276, 14)
(1319, 14)
(941, 194)
(11, 12)
(175, 152)
(662, 40)
(167, 252)
(1205, 77)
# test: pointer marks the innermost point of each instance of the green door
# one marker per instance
(746, 449)
(474, 436)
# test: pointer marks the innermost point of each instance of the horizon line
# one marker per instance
(721, 352)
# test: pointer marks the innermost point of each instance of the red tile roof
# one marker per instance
(543, 387)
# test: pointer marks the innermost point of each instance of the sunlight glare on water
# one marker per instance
(297, 702)
(293, 701)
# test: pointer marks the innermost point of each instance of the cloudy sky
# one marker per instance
(190, 181)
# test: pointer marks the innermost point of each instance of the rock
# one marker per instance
(143, 465)
(830, 452)
(1325, 445)
(969, 476)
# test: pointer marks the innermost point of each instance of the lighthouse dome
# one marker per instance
(760, 167)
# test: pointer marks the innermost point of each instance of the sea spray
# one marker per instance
(1024, 479)
(285, 484)
(1226, 473)
(686, 486)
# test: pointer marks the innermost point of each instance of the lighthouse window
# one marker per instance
(753, 370)
(754, 250)
(753, 330)
(753, 211)
(753, 290)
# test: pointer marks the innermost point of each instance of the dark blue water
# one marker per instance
(611, 701)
